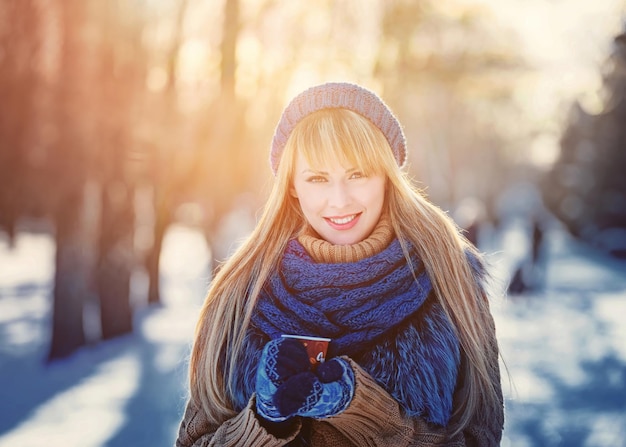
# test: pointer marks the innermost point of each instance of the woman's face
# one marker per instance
(341, 204)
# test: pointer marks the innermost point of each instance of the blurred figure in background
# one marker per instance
(470, 215)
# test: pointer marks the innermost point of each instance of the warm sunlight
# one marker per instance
(135, 147)
(565, 44)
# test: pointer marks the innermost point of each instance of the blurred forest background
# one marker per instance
(121, 117)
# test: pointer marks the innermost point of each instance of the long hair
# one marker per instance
(226, 313)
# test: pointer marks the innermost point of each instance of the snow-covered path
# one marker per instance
(127, 392)
(564, 347)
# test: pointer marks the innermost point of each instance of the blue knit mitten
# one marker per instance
(327, 392)
(281, 359)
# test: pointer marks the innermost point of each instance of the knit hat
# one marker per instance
(339, 95)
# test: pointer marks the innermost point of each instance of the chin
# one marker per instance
(345, 240)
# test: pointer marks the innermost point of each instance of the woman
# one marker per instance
(346, 249)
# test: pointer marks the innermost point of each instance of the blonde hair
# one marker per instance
(226, 314)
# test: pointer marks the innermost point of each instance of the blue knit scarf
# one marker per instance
(378, 311)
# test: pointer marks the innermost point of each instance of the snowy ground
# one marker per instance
(565, 349)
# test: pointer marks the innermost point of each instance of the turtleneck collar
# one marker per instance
(324, 252)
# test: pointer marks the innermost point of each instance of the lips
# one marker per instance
(343, 222)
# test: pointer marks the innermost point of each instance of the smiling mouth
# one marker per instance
(342, 220)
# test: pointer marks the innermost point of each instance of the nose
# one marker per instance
(339, 196)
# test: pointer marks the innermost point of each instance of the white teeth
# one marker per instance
(343, 220)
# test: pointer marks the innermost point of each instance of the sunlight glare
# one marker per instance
(545, 150)
(156, 79)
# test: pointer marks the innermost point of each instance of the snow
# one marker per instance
(127, 392)
(565, 350)
(564, 347)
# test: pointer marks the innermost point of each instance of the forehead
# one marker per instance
(332, 163)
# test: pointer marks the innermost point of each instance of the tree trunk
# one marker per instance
(20, 43)
(68, 169)
(120, 85)
(115, 259)
(161, 223)
(70, 279)
(164, 180)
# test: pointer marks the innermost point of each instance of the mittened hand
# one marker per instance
(281, 359)
(327, 392)
(285, 357)
(286, 386)
(332, 370)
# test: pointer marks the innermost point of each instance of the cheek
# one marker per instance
(375, 194)
(308, 200)
(303, 195)
(382, 194)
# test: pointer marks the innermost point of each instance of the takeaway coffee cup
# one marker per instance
(316, 347)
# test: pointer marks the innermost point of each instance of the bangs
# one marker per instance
(344, 136)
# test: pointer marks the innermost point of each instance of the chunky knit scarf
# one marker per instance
(352, 303)
(376, 310)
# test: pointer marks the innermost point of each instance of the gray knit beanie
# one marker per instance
(339, 96)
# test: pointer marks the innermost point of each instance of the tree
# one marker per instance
(450, 82)
(120, 76)
(586, 188)
(20, 47)
(163, 179)
(72, 279)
